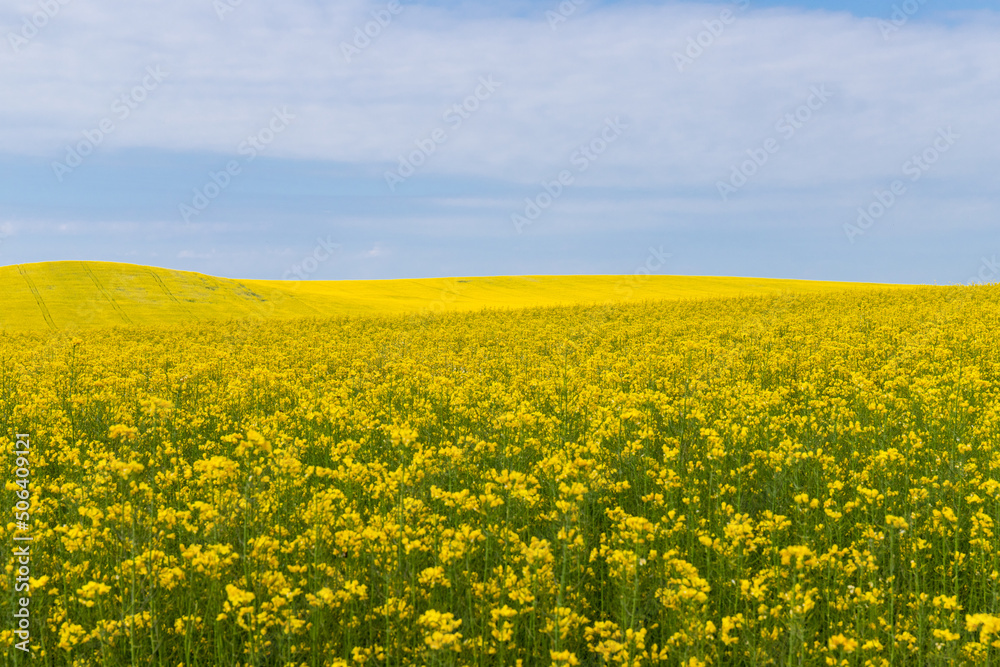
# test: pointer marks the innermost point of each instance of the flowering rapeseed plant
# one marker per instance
(743, 481)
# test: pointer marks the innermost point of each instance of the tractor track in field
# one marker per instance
(166, 290)
(38, 298)
(100, 287)
(291, 297)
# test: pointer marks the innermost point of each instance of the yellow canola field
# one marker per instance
(86, 295)
(766, 480)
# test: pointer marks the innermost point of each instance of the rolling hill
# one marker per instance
(84, 295)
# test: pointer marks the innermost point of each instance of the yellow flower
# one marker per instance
(238, 597)
(988, 625)
(440, 630)
(123, 431)
(946, 635)
(563, 658)
(89, 591)
(730, 623)
(70, 635)
(946, 602)
(801, 554)
(840, 642)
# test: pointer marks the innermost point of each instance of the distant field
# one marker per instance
(83, 295)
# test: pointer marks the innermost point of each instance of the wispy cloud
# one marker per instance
(687, 129)
(615, 59)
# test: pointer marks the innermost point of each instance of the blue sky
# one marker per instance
(815, 140)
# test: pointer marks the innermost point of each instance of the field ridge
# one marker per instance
(87, 295)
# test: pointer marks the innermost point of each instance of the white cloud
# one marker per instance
(687, 128)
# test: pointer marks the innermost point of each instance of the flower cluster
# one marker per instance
(807, 479)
